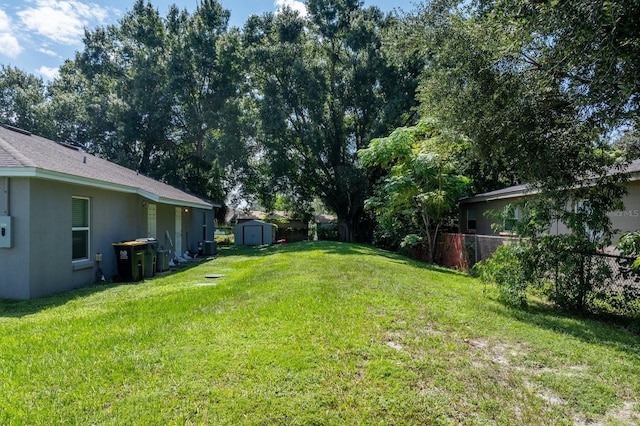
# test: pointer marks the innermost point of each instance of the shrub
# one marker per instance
(507, 270)
(224, 240)
(328, 232)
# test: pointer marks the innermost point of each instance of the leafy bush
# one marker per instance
(225, 240)
(507, 270)
(328, 232)
(629, 245)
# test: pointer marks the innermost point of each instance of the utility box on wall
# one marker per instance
(6, 238)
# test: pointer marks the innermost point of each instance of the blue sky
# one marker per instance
(38, 35)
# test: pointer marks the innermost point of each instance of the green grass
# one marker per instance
(309, 333)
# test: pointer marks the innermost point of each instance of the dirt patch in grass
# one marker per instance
(625, 415)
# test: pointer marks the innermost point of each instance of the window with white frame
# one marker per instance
(511, 217)
(80, 228)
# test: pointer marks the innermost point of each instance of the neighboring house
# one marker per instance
(254, 233)
(475, 214)
(61, 207)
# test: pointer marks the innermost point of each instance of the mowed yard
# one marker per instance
(309, 333)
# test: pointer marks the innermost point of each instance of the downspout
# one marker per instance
(5, 192)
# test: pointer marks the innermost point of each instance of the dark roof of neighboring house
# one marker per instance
(521, 190)
(25, 155)
(500, 194)
(326, 218)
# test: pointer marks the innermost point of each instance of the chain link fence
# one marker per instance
(616, 275)
(599, 281)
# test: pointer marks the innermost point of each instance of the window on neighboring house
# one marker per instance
(471, 221)
(511, 217)
(80, 228)
(582, 207)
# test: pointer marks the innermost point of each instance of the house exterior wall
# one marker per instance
(201, 226)
(483, 215)
(626, 220)
(113, 217)
(15, 261)
(40, 261)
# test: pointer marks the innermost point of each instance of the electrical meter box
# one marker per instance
(6, 227)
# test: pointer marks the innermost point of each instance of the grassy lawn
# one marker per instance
(309, 333)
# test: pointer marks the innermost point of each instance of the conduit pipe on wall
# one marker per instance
(5, 194)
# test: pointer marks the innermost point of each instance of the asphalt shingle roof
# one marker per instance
(633, 169)
(20, 151)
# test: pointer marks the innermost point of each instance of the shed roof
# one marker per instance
(255, 223)
(23, 154)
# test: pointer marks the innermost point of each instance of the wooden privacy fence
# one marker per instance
(462, 251)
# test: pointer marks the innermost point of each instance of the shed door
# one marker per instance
(252, 235)
(178, 240)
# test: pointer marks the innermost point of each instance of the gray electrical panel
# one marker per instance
(6, 227)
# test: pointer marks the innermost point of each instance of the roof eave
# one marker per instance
(499, 196)
(33, 172)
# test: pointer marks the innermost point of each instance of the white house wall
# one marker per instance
(628, 219)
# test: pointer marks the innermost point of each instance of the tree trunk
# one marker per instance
(345, 229)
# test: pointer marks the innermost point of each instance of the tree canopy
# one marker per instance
(324, 89)
(282, 106)
(420, 185)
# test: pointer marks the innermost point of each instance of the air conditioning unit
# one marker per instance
(207, 248)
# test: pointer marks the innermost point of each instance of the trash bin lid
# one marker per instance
(129, 243)
(149, 240)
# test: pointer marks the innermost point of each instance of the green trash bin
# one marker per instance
(130, 259)
(150, 256)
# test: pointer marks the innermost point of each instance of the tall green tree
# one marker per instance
(124, 68)
(70, 100)
(323, 91)
(160, 95)
(589, 48)
(206, 81)
(528, 80)
(420, 186)
(22, 100)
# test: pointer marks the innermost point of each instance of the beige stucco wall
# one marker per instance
(624, 221)
(484, 216)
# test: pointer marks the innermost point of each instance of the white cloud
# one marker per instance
(296, 5)
(62, 21)
(5, 22)
(9, 44)
(49, 73)
(48, 52)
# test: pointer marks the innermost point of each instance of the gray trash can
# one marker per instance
(150, 256)
(162, 261)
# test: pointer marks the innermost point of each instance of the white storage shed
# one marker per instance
(254, 233)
